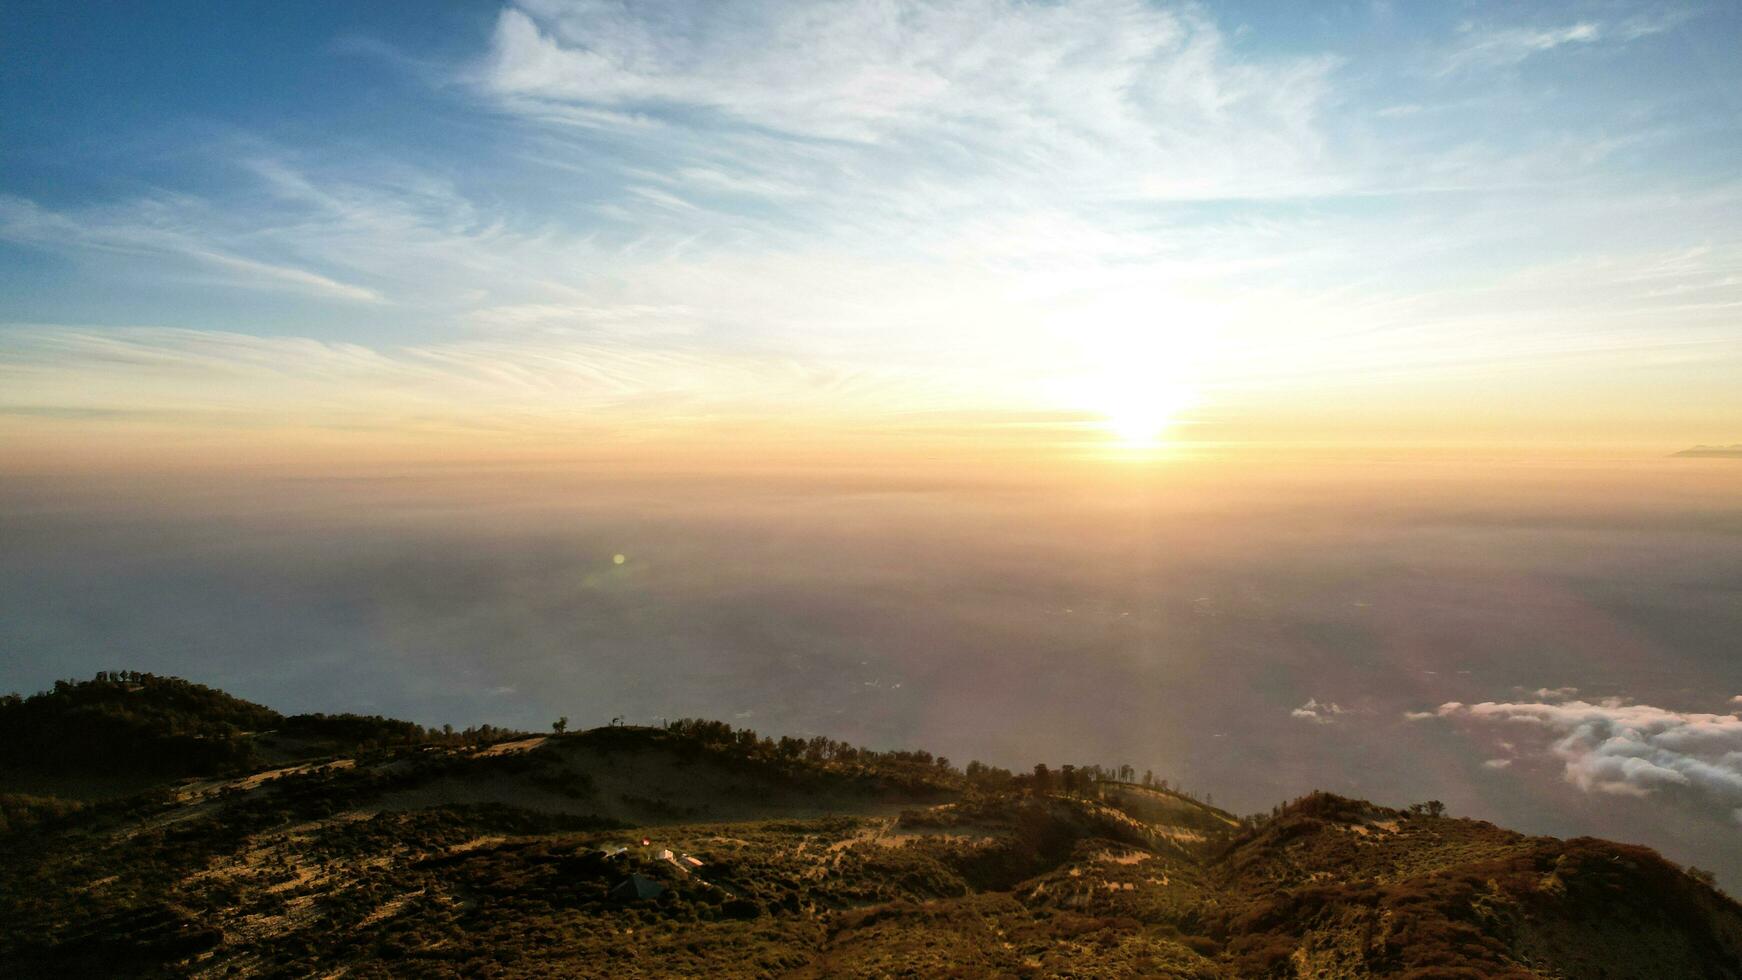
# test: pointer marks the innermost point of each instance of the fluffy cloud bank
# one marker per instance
(1631, 749)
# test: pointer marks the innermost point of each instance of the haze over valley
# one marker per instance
(1253, 629)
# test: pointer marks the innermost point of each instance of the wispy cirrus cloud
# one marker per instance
(1009, 204)
(1511, 45)
(158, 227)
(534, 382)
(1117, 98)
(1487, 46)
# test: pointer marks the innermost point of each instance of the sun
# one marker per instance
(1131, 408)
(1134, 362)
(1140, 416)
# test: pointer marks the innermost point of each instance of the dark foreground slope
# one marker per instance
(432, 856)
(1337, 887)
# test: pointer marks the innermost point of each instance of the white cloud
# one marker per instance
(1556, 693)
(1508, 46)
(1497, 763)
(853, 192)
(1010, 313)
(553, 383)
(1630, 749)
(1130, 97)
(157, 227)
(1318, 712)
(1481, 46)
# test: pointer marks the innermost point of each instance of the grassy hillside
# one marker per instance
(423, 855)
(1338, 887)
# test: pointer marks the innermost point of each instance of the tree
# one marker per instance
(560, 725)
(1042, 778)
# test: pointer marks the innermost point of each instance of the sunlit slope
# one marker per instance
(508, 856)
(647, 776)
(1166, 808)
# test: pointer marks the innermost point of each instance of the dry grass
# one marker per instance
(465, 863)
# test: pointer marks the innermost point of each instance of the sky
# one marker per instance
(742, 227)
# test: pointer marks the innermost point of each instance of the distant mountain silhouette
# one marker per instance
(371, 847)
(1733, 452)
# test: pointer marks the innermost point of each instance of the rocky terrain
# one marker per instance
(159, 828)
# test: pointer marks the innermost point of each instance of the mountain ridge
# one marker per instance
(1725, 452)
(346, 845)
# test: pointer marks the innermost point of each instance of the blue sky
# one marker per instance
(544, 214)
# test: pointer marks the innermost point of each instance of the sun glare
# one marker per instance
(1130, 411)
(1140, 356)
(1142, 417)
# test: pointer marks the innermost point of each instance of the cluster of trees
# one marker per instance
(129, 722)
(1073, 780)
(352, 733)
(821, 750)
(992, 779)
(1330, 806)
(361, 732)
(169, 702)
